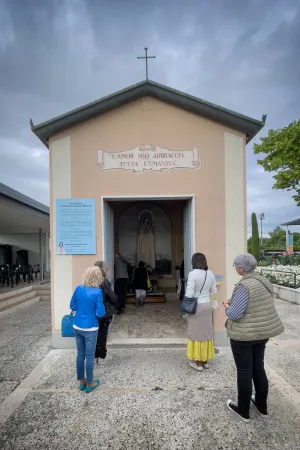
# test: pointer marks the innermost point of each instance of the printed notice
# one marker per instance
(76, 226)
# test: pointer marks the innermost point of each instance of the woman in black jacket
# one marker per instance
(110, 301)
(139, 282)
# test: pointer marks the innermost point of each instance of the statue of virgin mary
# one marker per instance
(145, 247)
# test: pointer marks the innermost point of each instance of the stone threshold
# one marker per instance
(146, 342)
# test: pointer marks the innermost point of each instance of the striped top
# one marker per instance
(239, 303)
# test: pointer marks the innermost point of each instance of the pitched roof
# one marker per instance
(22, 199)
(211, 111)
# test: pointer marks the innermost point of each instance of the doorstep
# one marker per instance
(146, 342)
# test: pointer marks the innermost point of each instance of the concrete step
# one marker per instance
(23, 297)
(45, 285)
(17, 296)
(43, 291)
(148, 299)
(45, 297)
(12, 293)
(17, 306)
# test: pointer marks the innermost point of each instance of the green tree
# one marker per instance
(296, 239)
(249, 244)
(277, 239)
(255, 238)
(282, 147)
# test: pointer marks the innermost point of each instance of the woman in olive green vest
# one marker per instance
(252, 321)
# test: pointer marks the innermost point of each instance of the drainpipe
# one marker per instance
(47, 251)
(41, 255)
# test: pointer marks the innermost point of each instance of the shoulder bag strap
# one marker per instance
(203, 283)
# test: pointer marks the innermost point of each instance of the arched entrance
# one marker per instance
(128, 233)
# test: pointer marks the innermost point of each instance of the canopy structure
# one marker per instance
(24, 224)
(292, 223)
(289, 236)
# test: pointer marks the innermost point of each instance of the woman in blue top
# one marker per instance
(87, 301)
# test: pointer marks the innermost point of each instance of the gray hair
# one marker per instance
(246, 261)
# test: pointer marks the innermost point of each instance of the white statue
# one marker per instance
(145, 247)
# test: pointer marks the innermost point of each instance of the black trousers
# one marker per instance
(101, 350)
(120, 291)
(249, 360)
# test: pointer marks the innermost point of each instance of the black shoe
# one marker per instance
(234, 408)
(262, 412)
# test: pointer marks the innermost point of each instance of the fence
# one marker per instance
(281, 277)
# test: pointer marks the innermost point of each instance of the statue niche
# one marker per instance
(145, 244)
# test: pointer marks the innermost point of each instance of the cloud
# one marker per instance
(60, 54)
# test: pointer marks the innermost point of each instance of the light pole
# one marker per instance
(261, 218)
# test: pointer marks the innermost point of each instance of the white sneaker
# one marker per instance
(205, 365)
(194, 366)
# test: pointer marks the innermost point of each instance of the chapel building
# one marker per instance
(146, 161)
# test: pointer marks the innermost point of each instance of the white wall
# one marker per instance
(128, 232)
(61, 265)
(234, 205)
(25, 241)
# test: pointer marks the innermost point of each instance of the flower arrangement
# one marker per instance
(283, 275)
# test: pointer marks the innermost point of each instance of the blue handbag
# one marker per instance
(67, 329)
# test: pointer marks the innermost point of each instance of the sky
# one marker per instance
(56, 55)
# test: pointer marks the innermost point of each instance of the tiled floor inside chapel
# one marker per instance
(153, 320)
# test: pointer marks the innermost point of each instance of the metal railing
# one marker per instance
(271, 275)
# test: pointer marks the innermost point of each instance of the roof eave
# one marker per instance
(295, 223)
(247, 125)
(22, 199)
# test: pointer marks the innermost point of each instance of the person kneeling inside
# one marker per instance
(139, 282)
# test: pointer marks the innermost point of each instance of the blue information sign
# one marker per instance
(290, 239)
(76, 226)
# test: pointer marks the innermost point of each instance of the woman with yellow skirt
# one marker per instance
(201, 284)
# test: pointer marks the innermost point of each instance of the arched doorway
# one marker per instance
(128, 229)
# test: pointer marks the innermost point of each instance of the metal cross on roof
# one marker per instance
(146, 57)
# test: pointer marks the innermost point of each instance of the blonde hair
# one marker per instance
(92, 277)
(103, 267)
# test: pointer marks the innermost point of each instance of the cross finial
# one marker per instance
(146, 57)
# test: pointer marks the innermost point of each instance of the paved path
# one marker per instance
(151, 400)
(24, 341)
